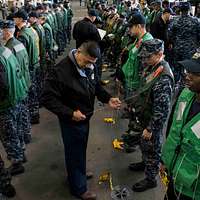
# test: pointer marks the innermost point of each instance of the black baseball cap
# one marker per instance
(34, 14)
(192, 65)
(21, 14)
(92, 12)
(136, 18)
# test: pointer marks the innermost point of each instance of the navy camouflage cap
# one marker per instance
(8, 24)
(184, 6)
(150, 47)
(156, 2)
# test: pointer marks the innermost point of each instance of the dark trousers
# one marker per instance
(75, 138)
(172, 194)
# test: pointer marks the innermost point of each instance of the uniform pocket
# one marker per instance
(185, 171)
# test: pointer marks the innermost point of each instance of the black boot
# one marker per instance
(35, 120)
(137, 166)
(144, 185)
(129, 148)
(27, 138)
(9, 191)
(131, 138)
(6, 189)
(24, 158)
(16, 168)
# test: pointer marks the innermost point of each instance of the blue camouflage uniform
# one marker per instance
(11, 135)
(30, 39)
(69, 27)
(184, 34)
(21, 54)
(153, 105)
(12, 93)
(161, 94)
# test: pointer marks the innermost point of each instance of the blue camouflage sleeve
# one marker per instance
(161, 97)
(198, 31)
(172, 30)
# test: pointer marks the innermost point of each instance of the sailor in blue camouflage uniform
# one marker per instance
(21, 54)
(185, 39)
(6, 188)
(69, 19)
(59, 36)
(29, 37)
(13, 91)
(152, 107)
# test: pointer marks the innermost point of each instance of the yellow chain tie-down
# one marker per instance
(164, 179)
(117, 192)
(109, 120)
(106, 177)
(118, 145)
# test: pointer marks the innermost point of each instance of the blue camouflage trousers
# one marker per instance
(33, 100)
(69, 30)
(5, 176)
(60, 41)
(11, 134)
(25, 123)
(39, 81)
(151, 154)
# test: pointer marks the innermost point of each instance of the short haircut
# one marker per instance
(90, 48)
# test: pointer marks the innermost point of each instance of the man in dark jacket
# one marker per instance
(159, 27)
(159, 30)
(70, 92)
(85, 29)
